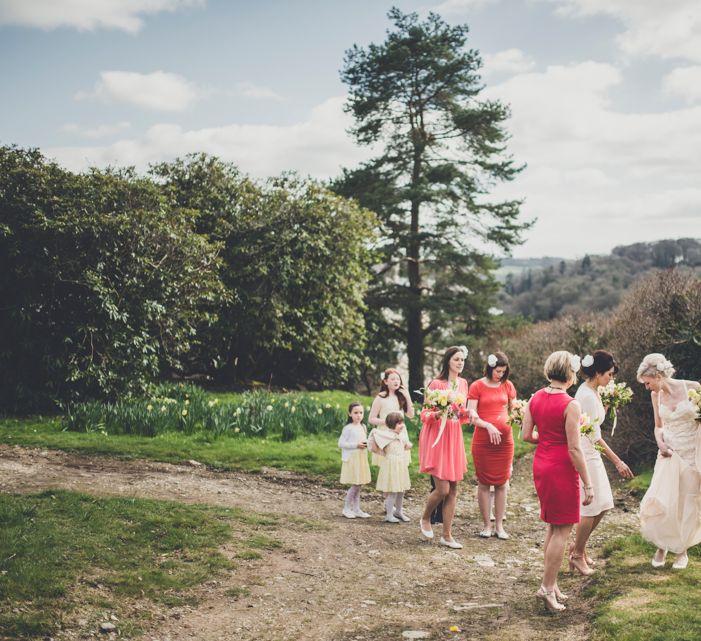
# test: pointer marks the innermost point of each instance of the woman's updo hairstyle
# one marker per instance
(599, 362)
(654, 364)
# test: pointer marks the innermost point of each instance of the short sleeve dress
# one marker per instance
(446, 460)
(555, 478)
(493, 462)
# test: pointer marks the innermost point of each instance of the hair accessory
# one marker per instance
(492, 360)
(575, 363)
(663, 365)
(588, 360)
(382, 375)
(463, 349)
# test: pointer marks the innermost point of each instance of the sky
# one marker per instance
(605, 96)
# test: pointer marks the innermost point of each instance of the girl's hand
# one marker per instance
(624, 470)
(362, 445)
(494, 434)
(408, 446)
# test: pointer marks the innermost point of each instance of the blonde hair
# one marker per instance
(558, 367)
(654, 364)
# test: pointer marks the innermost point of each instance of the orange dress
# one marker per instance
(493, 462)
(446, 460)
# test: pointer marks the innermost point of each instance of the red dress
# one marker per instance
(493, 462)
(556, 479)
(447, 460)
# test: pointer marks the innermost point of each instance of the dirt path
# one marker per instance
(351, 580)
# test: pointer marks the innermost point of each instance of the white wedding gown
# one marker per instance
(670, 512)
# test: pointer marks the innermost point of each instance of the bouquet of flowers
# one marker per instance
(586, 428)
(516, 412)
(613, 396)
(446, 403)
(695, 398)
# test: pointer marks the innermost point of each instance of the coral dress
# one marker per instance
(493, 462)
(556, 479)
(670, 512)
(447, 460)
(603, 497)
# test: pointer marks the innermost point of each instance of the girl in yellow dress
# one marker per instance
(355, 470)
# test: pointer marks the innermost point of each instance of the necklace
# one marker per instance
(555, 389)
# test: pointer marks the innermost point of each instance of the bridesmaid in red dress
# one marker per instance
(493, 440)
(444, 458)
(551, 420)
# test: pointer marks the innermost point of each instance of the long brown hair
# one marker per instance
(384, 390)
(445, 363)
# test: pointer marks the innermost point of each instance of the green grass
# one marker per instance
(314, 455)
(59, 550)
(640, 603)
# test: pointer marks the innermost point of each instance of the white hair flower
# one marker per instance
(382, 375)
(492, 360)
(463, 349)
(663, 365)
(588, 360)
(575, 363)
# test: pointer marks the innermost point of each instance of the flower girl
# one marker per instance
(355, 470)
(393, 477)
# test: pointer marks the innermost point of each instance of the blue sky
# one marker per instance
(605, 96)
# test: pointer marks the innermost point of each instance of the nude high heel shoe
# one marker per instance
(577, 562)
(549, 599)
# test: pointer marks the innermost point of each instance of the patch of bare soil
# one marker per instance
(350, 580)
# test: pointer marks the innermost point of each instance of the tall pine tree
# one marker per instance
(415, 98)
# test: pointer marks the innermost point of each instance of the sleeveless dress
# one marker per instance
(603, 497)
(387, 405)
(670, 510)
(447, 460)
(555, 478)
(394, 472)
(493, 462)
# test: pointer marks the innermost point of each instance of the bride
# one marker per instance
(671, 508)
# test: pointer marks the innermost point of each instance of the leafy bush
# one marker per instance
(661, 314)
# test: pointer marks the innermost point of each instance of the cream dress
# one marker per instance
(387, 405)
(393, 475)
(603, 497)
(671, 508)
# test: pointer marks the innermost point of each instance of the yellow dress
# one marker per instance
(355, 469)
(393, 475)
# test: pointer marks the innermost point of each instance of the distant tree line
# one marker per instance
(593, 283)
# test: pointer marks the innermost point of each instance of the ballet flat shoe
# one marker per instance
(402, 517)
(485, 534)
(348, 514)
(361, 515)
(451, 544)
(504, 536)
(427, 533)
(659, 564)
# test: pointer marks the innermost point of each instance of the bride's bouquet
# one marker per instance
(695, 398)
(586, 428)
(516, 412)
(446, 403)
(613, 396)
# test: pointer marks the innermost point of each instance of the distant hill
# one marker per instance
(543, 288)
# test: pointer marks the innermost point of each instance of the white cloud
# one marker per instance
(511, 61)
(86, 15)
(250, 90)
(157, 91)
(664, 28)
(684, 82)
(597, 177)
(459, 7)
(101, 131)
(318, 146)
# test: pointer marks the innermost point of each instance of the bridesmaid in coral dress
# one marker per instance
(551, 420)
(493, 440)
(442, 454)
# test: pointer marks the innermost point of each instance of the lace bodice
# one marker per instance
(680, 429)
